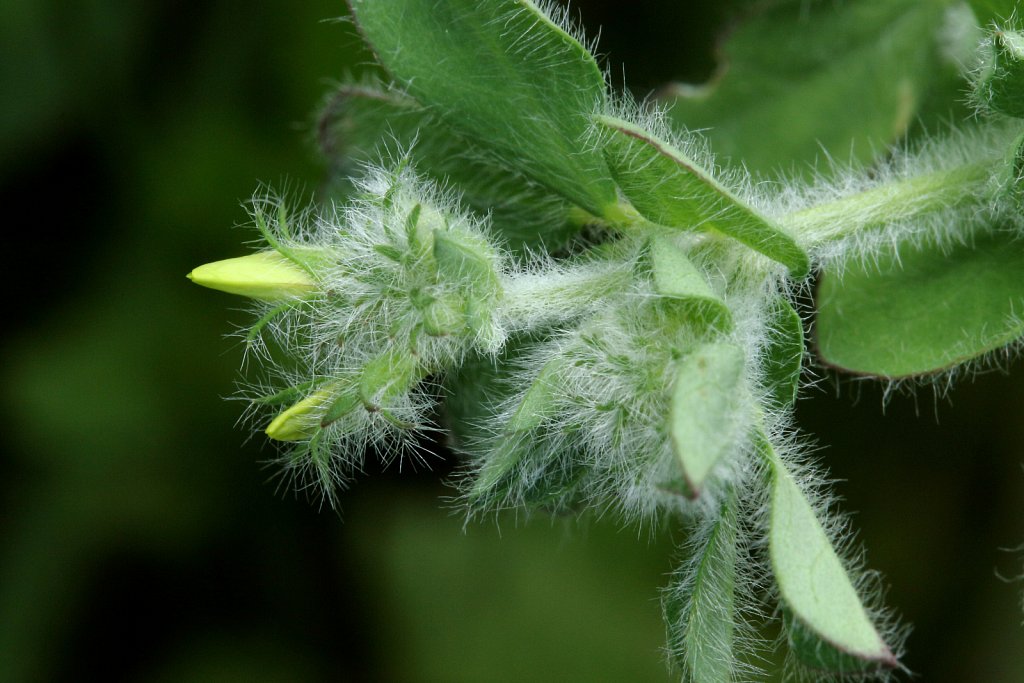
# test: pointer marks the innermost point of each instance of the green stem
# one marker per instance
(883, 205)
(533, 299)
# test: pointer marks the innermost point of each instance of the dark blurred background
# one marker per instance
(140, 536)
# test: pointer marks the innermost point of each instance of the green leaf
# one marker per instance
(708, 410)
(559, 489)
(669, 188)
(1001, 86)
(538, 401)
(367, 122)
(388, 251)
(361, 121)
(676, 277)
(812, 651)
(802, 80)
(924, 311)
(535, 406)
(784, 353)
(555, 479)
(701, 616)
(833, 628)
(507, 77)
(518, 473)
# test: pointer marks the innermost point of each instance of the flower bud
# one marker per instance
(1001, 85)
(265, 275)
(301, 420)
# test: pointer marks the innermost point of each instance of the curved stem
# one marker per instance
(886, 204)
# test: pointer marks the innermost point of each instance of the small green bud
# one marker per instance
(444, 316)
(1001, 85)
(302, 420)
(387, 377)
(466, 258)
(470, 261)
(419, 228)
(265, 275)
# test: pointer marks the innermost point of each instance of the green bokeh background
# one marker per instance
(140, 539)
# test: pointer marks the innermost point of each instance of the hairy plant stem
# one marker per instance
(886, 204)
(533, 299)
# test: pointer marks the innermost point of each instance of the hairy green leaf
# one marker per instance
(534, 407)
(784, 353)
(813, 584)
(669, 188)
(367, 122)
(552, 483)
(676, 277)
(701, 614)
(707, 411)
(474, 392)
(923, 311)
(537, 402)
(507, 77)
(812, 651)
(802, 80)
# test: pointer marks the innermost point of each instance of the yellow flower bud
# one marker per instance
(302, 420)
(265, 275)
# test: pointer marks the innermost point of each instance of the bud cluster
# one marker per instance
(364, 302)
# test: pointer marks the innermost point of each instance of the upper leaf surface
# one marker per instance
(708, 410)
(924, 311)
(803, 79)
(676, 277)
(506, 76)
(812, 581)
(669, 188)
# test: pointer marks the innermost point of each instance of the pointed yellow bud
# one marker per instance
(302, 420)
(265, 275)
